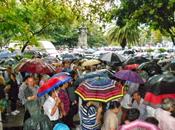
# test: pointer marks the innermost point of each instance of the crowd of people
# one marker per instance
(62, 104)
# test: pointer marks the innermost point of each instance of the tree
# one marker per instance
(29, 20)
(156, 36)
(123, 35)
(156, 14)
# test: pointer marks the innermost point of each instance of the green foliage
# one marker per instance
(156, 36)
(123, 35)
(162, 50)
(150, 50)
(158, 15)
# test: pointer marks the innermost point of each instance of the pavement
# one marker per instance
(16, 122)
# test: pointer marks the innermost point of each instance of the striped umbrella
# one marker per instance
(129, 75)
(100, 89)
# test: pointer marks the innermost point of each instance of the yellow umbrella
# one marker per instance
(91, 62)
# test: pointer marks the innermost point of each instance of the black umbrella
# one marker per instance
(161, 84)
(136, 60)
(151, 68)
(112, 58)
(68, 57)
(170, 66)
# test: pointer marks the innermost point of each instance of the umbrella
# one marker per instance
(131, 67)
(170, 66)
(139, 125)
(49, 86)
(36, 66)
(160, 87)
(64, 77)
(112, 58)
(161, 84)
(68, 57)
(2, 68)
(129, 75)
(99, 73)
(151, 68)
(99, 89)
(136, 60)
(5, 54)
(91, 62)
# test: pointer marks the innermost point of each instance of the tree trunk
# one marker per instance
(24, 47)
(173, 40)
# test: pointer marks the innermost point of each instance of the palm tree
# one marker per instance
(127, 34)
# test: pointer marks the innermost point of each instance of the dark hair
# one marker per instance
(136, 92)
(26, 77)
(132, 114)
(114, 104)
(152, 120)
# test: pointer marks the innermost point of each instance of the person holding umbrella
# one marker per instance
(51, 107)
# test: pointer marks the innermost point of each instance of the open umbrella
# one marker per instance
(99, 73)
(49, 86)
(112, 58)
(160, 87)
(136, 60)
(129, 75)
(170, 66)
(139, 125)
(91, 62)
(131, 67)
(99, 89)
(151, 68)
(36, 66)
(64, 77)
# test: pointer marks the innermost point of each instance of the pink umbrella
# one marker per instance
(139, 125)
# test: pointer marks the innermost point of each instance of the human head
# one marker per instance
(2, 81)
(132, 114)
(152, 120)
(61, 126)
(30, 81)
(53, 93)
(114, 106)
(136, 95)
(168, 104)
(12, 76)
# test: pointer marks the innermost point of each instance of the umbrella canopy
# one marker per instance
(68, 57)
(49, 86)
(131, 67)
(99, 89)
(151, 68)
(99, 73)
(129, 75)
(8, 62)
(2, 68)
(160, 87)
(91, 62)
(64, 77)
(170, 66)
(161, 84)
(112, 58)
(136, 60)
(36, 66)
(137, 125)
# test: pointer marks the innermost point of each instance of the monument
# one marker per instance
(82, 39)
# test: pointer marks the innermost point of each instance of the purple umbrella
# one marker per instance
(129, 75)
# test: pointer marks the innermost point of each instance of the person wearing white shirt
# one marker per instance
(51, 107)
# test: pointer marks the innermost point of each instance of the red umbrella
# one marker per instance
(49, 85)
(36, 66)
(131, 67)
